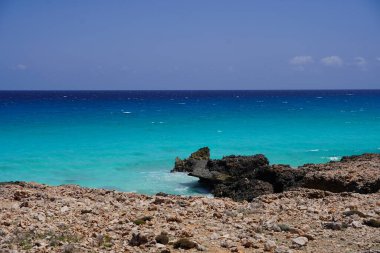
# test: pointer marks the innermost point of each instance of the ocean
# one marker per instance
(128, 140)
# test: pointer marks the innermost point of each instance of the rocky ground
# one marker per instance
(40, 218)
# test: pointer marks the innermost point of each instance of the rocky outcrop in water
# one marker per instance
(247, 177)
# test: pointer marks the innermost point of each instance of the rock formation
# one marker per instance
(247, 177)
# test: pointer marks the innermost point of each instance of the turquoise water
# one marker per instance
(128, 140)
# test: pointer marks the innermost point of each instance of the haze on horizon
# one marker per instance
(93, 44)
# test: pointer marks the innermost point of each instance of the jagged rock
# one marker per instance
(197, 160)
(201, 154)
(247, 177)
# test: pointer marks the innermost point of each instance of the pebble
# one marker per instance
(269, 245)
(300, 241)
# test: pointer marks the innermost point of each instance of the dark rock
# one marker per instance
(197, 160)
(335, 225)
(143, 220)
(162, 194)
(281, 177)
(162, 238)
(243, 189)
(372, 223)
(184, 243)
(353, 212)
(19, 195)
(201, 154)
(138, 239)
(247, 177)
(159, 201)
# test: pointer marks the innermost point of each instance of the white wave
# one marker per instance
(333, 158)
(127, 112)
(284, 102)
(219, 131)
(313, 150)
(161, 122)
(181, 103)
(319, 97)
(181, 189)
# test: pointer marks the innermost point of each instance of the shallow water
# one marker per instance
(127, 140)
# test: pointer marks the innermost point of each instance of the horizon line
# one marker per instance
(349, 89)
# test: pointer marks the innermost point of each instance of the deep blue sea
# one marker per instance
(128, 140)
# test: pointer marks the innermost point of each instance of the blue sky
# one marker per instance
(197, 44)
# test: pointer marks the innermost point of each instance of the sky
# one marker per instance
(185, 45)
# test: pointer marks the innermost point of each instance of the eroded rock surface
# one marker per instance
(247, 177)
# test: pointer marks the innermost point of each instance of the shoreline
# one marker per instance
(69, 218)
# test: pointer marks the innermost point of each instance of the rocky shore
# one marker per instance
(289, 210)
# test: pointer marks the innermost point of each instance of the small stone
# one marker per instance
(372, 223)
(357, 224)
(333, 225)
(68, 248)
(162, 238)
(305, 228)
(247, 243)
(41, 217)
(160, 246)
(284, 227)
(269, 245)
(87, 210)
(214, 236)
(300, 241)
(64, 209)
(276, 228)
(138, 239)
(18, 195)
(184, 243)
(201, 247)
(309, 237)
(174, 219)
(282, 249)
